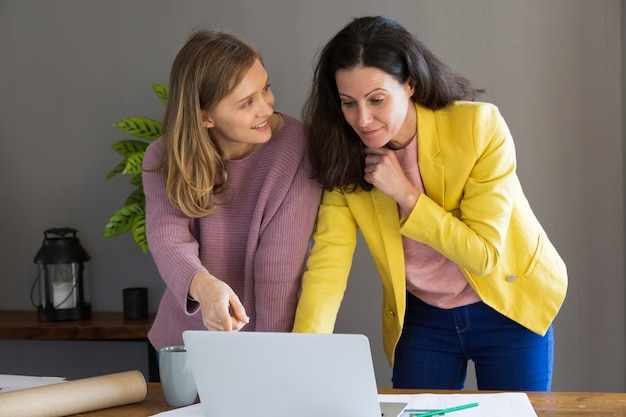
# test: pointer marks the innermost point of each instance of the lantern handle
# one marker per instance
(61, 232)
(32, 290)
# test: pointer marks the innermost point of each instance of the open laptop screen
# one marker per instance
(283, 374)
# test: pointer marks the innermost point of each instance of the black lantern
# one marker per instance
(62, 285)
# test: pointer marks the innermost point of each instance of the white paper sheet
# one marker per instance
(510, 404)
(15, 382)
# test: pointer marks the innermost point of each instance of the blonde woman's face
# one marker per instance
(240, 122)
(377, 106)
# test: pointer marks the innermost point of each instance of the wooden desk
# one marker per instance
(546, 404)
(25, 325)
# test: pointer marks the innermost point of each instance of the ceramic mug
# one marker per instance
(177, 380)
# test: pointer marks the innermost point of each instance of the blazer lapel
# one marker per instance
(428, 148)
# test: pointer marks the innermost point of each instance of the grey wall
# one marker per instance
(70, 68)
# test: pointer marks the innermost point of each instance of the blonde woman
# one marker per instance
(230, 205)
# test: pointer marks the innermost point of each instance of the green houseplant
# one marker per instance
(132, 216)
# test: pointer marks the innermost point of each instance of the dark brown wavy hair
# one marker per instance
(335, 150)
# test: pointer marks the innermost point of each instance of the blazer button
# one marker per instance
(391, 313)
(511, 278)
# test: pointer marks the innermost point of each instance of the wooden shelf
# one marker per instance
(25, 325)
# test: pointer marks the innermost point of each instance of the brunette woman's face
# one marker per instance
(377, 106)
(240, 122)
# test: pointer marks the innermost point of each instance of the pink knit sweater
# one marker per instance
(256, 241)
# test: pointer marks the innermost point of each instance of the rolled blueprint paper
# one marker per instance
(73, 397)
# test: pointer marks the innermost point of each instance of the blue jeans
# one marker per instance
(436, 345)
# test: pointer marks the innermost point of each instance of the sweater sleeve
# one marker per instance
(170, 240)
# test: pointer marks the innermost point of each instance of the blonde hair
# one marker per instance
(207, 68)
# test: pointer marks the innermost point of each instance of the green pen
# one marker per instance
(416, 413)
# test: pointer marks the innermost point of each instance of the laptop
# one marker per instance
(264, 374)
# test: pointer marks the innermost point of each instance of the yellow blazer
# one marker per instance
(473, 211)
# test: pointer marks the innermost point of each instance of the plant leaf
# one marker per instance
(117, 170)
(136, 197)
(140, 127)
(129, 146)
(122, 220)
(133, 163)
(132, 216)
(137, 181)
(161, 91)
(139, 231)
